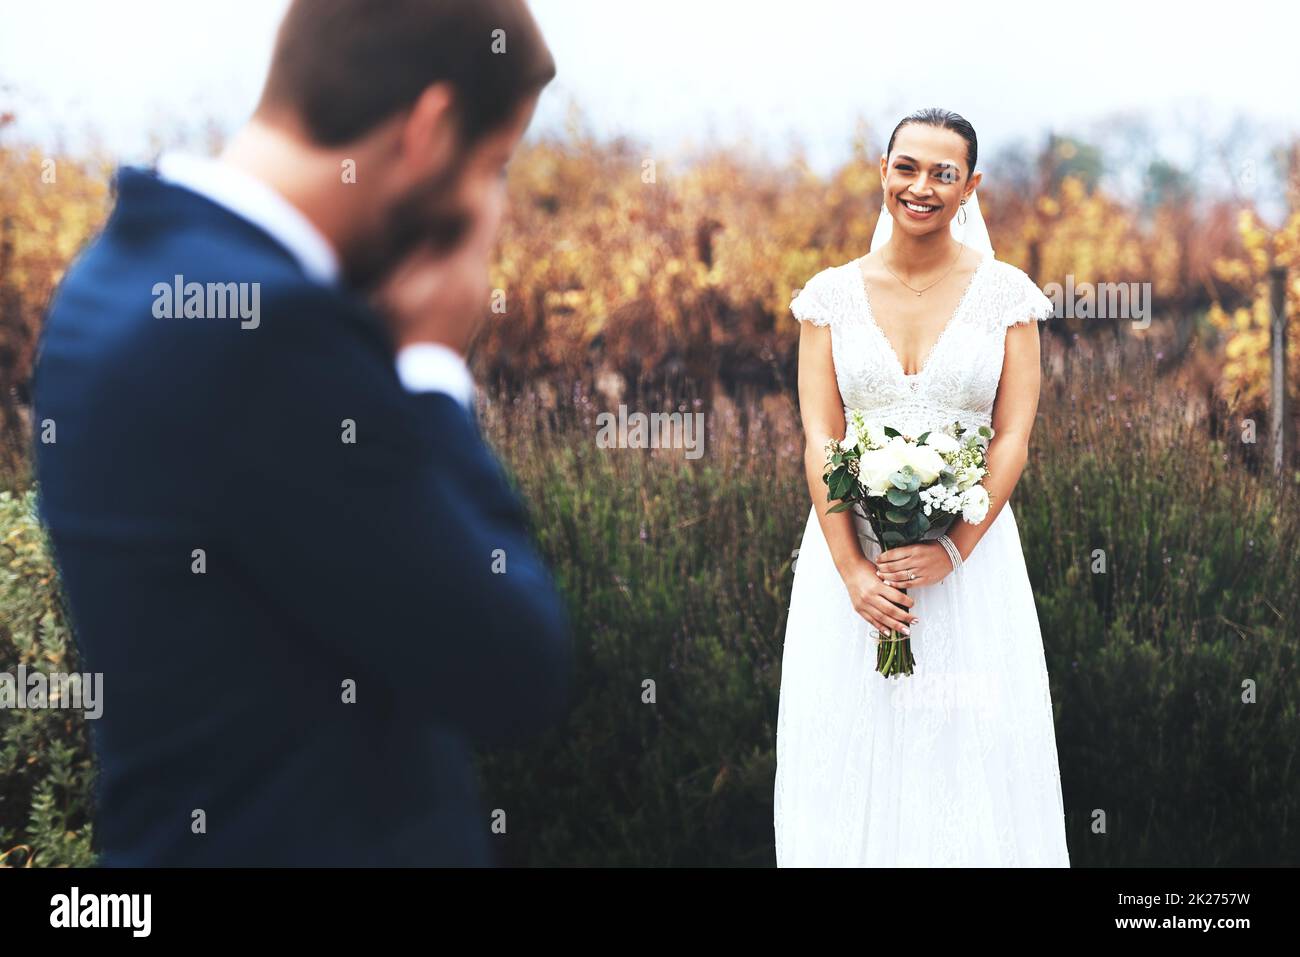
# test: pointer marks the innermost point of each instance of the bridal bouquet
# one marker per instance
(907, 490)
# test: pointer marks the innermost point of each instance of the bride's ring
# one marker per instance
(911, 575)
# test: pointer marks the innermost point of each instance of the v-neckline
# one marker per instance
(912, 378)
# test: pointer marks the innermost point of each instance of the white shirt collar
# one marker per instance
(253, 200)
(433, 367)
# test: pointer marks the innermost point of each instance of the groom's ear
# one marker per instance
(428, 136)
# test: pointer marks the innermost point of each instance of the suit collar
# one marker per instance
(256, 202)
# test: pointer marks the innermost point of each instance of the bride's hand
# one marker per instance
(910, 566)
(878, 601)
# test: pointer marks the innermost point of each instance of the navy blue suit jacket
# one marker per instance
(234, 565)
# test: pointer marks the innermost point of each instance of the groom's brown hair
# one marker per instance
(341, 67)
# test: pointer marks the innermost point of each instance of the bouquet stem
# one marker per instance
(894, 650)
(904, 490)
(894, 653)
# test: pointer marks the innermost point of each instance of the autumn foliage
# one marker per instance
(622, 270)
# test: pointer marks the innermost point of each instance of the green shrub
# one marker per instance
(678, 572)
(681, 572)
(46, 773)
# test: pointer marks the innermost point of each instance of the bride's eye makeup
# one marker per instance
(944, 171)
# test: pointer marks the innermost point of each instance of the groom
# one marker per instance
(306, 582)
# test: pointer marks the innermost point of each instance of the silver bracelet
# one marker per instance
(953, 555)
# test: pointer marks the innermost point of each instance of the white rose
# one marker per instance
(924, 460)
(877, 465)
(942, 442)
(974, 504)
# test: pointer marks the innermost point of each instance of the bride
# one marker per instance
(956, 764)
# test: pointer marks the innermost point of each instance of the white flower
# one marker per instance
(877, 465)
(942, 442)
(975, 504)
(925, 461)
(876, 435)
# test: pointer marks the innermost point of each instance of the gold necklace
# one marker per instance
(933, 284)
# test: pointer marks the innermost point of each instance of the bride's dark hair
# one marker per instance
(944, 119)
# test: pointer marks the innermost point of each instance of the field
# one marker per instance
(1174, 671)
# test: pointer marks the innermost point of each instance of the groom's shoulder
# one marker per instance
(201, 302)
(172, 232)
(172, 259)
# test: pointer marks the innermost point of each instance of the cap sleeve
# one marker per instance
(1027, 303)
(809, 303)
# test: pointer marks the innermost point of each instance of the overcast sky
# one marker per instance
(683, 73)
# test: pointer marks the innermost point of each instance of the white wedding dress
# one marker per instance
(955, 765)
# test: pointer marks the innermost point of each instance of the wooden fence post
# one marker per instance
(1279, 406)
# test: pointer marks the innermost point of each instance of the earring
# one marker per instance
(961, 213)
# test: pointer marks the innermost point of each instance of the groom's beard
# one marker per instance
(429, 215)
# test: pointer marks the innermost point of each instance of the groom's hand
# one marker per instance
(442, 296)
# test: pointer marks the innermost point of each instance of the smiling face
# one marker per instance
(925, 178)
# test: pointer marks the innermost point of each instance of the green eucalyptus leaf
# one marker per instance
(899, 496)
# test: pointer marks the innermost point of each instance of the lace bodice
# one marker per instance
(958, 380)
